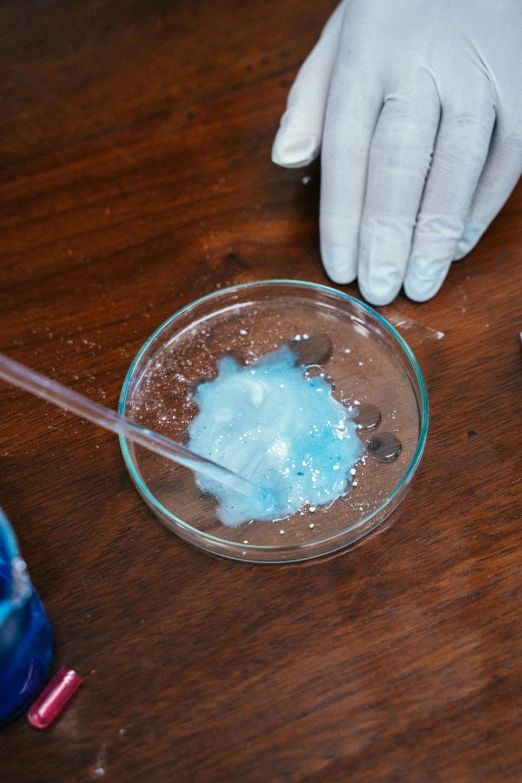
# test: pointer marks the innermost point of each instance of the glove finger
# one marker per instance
(351, 117)
(460, 153)
(399, 160)
(298, 139)
(500, 175)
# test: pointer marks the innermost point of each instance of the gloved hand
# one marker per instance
(416, 106)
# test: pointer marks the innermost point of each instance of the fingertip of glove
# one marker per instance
(340, 267)
(379, 292)
(420, 295)
(420, 285)
(379, 283)
(293, 152)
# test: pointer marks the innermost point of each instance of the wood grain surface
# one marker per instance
(136, 176)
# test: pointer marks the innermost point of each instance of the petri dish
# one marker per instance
(371, 367)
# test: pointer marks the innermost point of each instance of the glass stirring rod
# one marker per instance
(19, 375)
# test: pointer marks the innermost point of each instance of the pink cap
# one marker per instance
(53, 698)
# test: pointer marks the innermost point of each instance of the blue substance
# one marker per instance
(26, 640)
(269, 423)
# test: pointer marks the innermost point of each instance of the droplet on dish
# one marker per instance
(368, 416)
(315, 350)
(385, 447)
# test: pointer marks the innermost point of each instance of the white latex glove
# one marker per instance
(416, 106)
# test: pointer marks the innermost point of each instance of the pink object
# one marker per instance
(53, 698)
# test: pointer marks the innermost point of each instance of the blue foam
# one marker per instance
(271, 424)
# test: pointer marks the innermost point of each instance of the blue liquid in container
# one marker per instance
(26, 639)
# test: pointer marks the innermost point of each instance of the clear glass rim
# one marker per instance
(316, 543)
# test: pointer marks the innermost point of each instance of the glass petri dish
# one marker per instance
(371, 365)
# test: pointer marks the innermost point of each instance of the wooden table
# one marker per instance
(136, 177)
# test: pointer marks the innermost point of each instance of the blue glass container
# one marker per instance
(26, 639)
